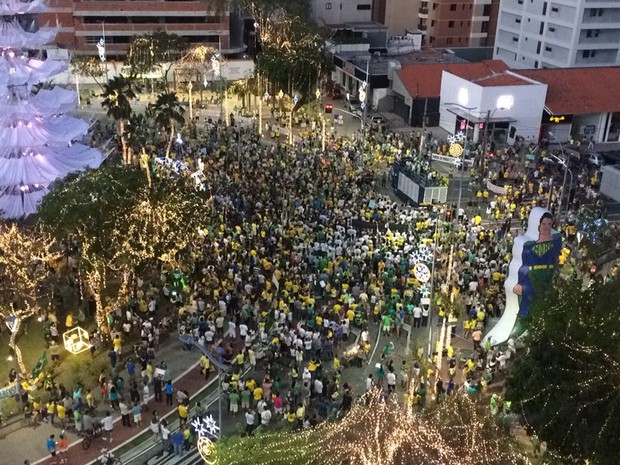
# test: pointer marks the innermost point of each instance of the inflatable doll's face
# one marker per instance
(544, 229)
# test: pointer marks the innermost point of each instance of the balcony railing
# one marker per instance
(422, 27)
(423, 10)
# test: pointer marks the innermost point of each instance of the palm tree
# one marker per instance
(139, 135)
(117, 96)
(168, 111)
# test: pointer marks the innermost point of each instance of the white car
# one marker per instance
(595, 159)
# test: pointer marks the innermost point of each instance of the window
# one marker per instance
(366, 6)
(450, 23)
(449, 41)
(589, 53)
(551, 29)
(536, 64)
(541, 29)
(520, 2)
(593, 12)
(432, 22)
(555, 9)
(453, 7)
(515, 39)
(518, 20)
(328, 6)
(548, 49)
(487, 10)
(434, 6)
(544, 12)
(431, 39)
(538, 46)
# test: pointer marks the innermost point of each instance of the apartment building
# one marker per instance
(464, 23)
(558, 33)
(336, 12)
(83, 23)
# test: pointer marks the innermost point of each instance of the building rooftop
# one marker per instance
(503, 79)
(573, 91)
(424, 80)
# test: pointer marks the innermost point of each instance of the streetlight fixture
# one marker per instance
(101, 45)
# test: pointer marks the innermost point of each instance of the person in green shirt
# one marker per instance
(233, 400)
(387, 323)
(246, 395)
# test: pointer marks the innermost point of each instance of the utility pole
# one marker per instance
(484, 138)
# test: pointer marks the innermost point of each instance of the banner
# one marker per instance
(450, 159)
(9, 391)
(495, 189)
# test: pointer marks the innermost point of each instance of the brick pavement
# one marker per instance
(192, 381)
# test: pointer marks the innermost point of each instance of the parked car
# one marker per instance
(376, 120)
(595, 159)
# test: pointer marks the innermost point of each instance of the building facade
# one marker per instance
(83, 23)
(558, 33)
(464, 23)
(335, 12)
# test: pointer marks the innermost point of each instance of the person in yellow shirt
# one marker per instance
(61, 412)
(257, 393)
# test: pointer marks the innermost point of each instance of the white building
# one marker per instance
(558, 33)
(333, 12)
(505, 105)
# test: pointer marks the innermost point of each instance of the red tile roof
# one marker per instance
(503, 79)
(424, 80)
(573, 91)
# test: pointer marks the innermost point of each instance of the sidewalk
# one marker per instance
(181, 366)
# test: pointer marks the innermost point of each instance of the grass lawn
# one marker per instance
(72, 369)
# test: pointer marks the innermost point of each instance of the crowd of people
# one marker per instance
(303, 247)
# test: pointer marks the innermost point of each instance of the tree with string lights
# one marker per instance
(377, 432)
(25, 259)
(566, 383)
(124, 225)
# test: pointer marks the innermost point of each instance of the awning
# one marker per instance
(478, 119)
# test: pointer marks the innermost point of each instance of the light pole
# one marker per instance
(318, 97)
(290, 120)
(191, 108)
(260, 112)
(363, 94)
(564, 163)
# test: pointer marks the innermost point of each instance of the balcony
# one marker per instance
(144, 8)
(423, 10)
(421, 27)
(138, 29)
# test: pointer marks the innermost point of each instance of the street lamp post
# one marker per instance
(564, 163)
(265, 97)
(322, 117)
(363, 94)
(191, 108)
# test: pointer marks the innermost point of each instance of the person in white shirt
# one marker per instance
(318, 387)
(417, 316)
(243, 330)
(108, 425)
(391, 381)
(265, 417)
(369, 383)
(250, 418)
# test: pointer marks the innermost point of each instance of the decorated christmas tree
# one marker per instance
(39, 141)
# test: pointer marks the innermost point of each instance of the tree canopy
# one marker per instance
(459, 431)
(567, 381)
